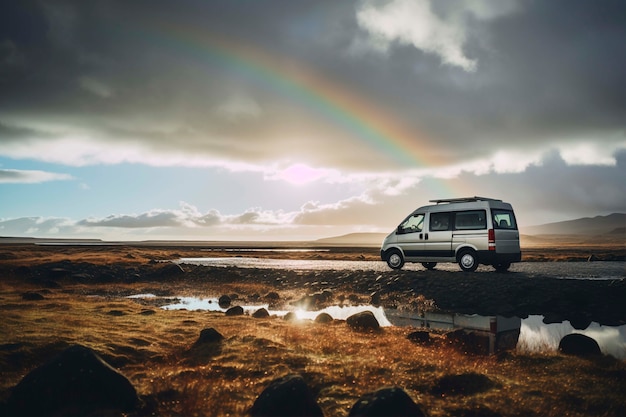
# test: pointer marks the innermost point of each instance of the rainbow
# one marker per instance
(345, 108)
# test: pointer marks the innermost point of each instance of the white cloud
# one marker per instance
(416, 23)
(30, 176)
(412, 22)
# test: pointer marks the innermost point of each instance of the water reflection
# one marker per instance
(534, 334)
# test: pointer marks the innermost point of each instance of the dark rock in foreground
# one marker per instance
(76, 382)
(389, 402)
(579, 345)
(363, 321)
(286, 396)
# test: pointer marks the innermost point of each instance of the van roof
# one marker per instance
(463, 200)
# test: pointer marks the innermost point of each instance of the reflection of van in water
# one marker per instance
(469, 231)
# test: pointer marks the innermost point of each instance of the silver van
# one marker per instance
(469, 231)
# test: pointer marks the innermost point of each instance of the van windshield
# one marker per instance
(503, 219)
(412, 224)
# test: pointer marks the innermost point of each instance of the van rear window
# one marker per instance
(503, 219)
(470, 220)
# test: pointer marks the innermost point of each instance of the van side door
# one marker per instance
(410, 235)
(438, 240)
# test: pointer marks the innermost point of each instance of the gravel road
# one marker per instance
(575, 270)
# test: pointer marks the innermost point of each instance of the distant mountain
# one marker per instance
(356, 239)
(599, 225)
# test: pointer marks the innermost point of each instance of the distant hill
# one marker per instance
(357, 239)
(599, 225)
(612, 226)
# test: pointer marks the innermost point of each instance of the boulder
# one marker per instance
(579, 345)
(363, 321)
(290, 316)
(235, 311)
(324, 318)
(224, 301)
(286, 396)
(272, 296)
(209, 336)
(261, 313)
(76, 382)
(388, 402)
(208, 345)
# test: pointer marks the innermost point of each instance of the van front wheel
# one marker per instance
(468, 261)
(395, 259)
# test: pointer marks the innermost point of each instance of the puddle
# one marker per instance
(525, 335)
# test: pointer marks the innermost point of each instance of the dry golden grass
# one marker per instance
(153, 348)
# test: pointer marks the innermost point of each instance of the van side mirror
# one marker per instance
(399, 230)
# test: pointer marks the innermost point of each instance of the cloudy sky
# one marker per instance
(282, 119)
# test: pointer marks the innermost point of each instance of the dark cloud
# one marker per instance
(544, 70)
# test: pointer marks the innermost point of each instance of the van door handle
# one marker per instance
(421, 236)
(426, 236)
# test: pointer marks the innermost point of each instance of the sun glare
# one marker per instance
(300, 174)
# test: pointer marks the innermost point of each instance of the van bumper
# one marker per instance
(490, 257)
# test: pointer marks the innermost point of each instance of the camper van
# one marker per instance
(469, 231)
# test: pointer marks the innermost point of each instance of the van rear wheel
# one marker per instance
(395, 259)
(429, 265)
(468, 261)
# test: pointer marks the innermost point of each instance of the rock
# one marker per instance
(261, 313)
(224, 301)
(272, 296)
(208, 345)
(290, 316)
(209, 336)
(324, 318)
(235, 311)
(388, 402)
(286, 396)
(419, 337)
(463, 384)
(363, 321)
(32, 296)
(76, 382)
(579, 345)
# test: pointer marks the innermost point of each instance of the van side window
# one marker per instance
(503, 219)
(439, 222)
(412, 224)
(470, 220)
